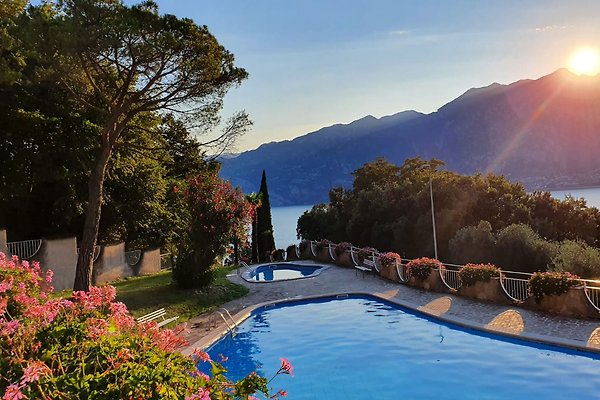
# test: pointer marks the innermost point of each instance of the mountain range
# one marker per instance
(544, 133)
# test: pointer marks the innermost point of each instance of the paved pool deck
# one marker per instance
(507, 320)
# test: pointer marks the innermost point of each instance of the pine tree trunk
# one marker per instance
(85, 259)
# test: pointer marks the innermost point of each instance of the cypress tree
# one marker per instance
(264, 226)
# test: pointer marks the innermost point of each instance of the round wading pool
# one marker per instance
(282, 272)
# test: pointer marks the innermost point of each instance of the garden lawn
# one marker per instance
(145, 294)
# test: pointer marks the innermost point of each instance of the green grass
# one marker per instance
(145, 294)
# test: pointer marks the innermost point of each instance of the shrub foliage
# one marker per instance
(551, 284)
(470, 274)
(420, 268)
(389, 259)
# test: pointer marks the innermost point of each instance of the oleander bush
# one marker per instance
(420, 268)
(278, 254)
(389, 259)
(551, 284)
(341, 248)
(365, 252)
(470, 274)
(89, 347)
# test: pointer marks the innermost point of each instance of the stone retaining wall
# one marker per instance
(59, 255)
(3, 246)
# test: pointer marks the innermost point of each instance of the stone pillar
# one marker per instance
(3, 246)
(59, 255)
(149, 263)
(111, 264)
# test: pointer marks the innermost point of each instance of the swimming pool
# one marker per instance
(363, 348)
(281, 272)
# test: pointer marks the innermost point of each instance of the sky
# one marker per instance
(315, 63)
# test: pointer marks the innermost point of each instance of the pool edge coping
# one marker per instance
(244, 314)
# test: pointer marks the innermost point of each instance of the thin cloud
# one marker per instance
(549, 28)
(398, 32)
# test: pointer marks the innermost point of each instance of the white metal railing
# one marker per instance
(242, 266)
(514, 284)
(331, 248)
(402, 272)
(133, 257)
(165, 261)
(450, 276)
(517, 288)
(354, 258)
(313, 250)
(25, 249)
(592, 292)
(96, 252)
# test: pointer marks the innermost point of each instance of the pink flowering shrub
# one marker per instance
(420, 268)
(219, 215)
(89, 347)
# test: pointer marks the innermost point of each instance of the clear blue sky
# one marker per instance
(314, 63)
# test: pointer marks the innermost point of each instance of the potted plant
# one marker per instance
(388, 262)
(481, 281)
(420, 274)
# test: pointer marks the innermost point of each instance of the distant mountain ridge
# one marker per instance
(543, 132)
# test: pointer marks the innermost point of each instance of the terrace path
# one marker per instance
(512, 320)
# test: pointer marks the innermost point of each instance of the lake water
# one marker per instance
(591, 195)
(285, 219)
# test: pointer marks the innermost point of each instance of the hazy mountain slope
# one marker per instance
(542, 132)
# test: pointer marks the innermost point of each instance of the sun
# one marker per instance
(585, 62)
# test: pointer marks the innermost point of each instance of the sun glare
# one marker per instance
(585, 62)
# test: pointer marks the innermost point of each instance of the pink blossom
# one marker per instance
(6, 284)
(33, 372)
(201, 375)
(201, 355)
(96, 327)
(282, 393)
(10, 327)
(13, 392)
(202, 394)
(286, 367)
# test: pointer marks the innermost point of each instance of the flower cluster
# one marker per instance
(89, 346)
(551, 284)
(420, 268)
(341, 248)
(389, 259)
(470, 274)
(323, 244)
(366, 252)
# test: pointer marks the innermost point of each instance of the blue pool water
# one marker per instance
(283, 271)
(361, 348)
